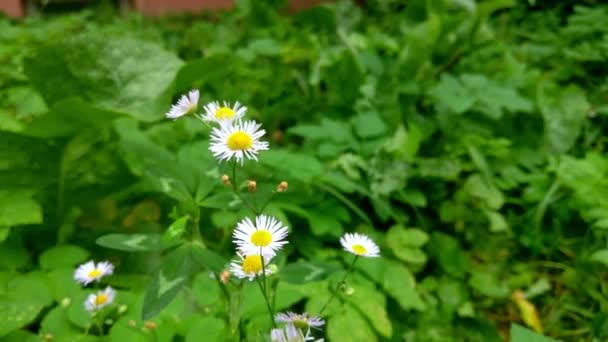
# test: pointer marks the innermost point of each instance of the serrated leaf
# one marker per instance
(351, 323)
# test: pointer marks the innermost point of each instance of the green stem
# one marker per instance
(343, 281)
(268, 306)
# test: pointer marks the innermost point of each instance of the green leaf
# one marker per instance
(64, 256)
(304, 271)
(15, 314)
(488, 285)
(292, 165)
(476, 186)
(449, 254)
(167, 283)
(368, 125)
(17, 207)
(56, 323)
(564, 110)
(175, 231)
(397, 235)
(372, 305)
(521, 334)
(114, 73)
(69, 116)
(600, 256)
(395, 279)
(133, 242)
(349, 323)
(212, 328)
(207, 258)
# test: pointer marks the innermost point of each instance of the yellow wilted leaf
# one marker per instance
(528, 311)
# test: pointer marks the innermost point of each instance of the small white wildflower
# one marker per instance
(291, 334)
(96, 301)
(185, 105)
(249, 266)
(214, 112)
(360, 245)
(266, 236)
(89, 272)
(302, 321)
(237, 141)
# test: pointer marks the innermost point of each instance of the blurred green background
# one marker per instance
(468, 138)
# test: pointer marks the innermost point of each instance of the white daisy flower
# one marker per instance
(89, 272)
(214, 112)
(360, 245)
(250, 266)
(291, 334)
(265, 237)
(237, 140)
(185, 105)
(302, 321)
(96, 301)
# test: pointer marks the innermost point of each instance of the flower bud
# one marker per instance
(225, 277)
(349, 291)
(252, 186)
(150, 325)
(122, 309)
(282, 187)
(65, 302)
(132, 323)
(48, 337)
(226, 180)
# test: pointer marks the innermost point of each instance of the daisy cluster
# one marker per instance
(233, 138)
(91, 272)
(259, 240)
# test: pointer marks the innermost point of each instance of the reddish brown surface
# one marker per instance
(159, 7)
(13, 8)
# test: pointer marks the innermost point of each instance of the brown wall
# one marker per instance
(15, 8)
(12, 8)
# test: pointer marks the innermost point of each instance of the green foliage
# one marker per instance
(466, 137)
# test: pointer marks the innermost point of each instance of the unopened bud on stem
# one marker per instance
(282, 187)
(252, 186)
(226, 180)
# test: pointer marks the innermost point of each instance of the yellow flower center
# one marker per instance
(261, 238)
(300, 322)
(101, 299)
(240, 140)
(252, 264)
(95, 273)
(224, 113)
(359, 249)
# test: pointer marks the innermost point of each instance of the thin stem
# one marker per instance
(270, 311)
(350, 269)
(269, 200)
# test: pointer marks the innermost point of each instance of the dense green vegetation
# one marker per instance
(466, 138)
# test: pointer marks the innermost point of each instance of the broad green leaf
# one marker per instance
(56, 323)
(600, 256)
(372, 305)
(488, 285)
(208, 259)
(168, 281)
(477, 187)
(349, 324)
(15, 314)
(305, 271)
(449, 254)
(521, 334)
(176, 230)
(288, 165)
(133, 242)
(368, 125)
(17, 207)
(397, 235)
(564, 110)
(67, 117)
(395, 279)
(117, 73)
(212, 328)
(62, 256)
